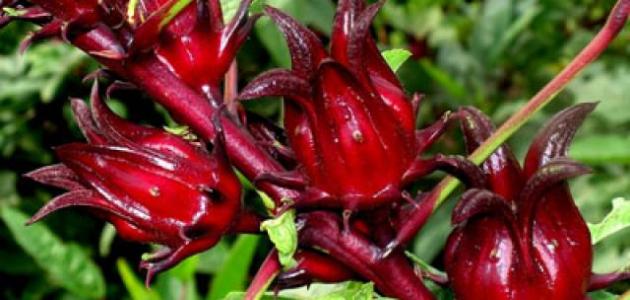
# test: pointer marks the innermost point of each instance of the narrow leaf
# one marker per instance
(68, 265)
(233, 273)
(135, 287)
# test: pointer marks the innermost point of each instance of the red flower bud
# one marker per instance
(522, 237)
(154, 187)
(346, 113)
(192, 42)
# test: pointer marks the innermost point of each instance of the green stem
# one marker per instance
(606, 35)
(614, 24)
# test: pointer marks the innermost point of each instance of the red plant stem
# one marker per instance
(269, 269)
(231, 88)
(247, 222)
(602, 281)
(393, 276)
(189, 107)
(440, 193)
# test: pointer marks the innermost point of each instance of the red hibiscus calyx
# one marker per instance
(154, 187)
(346, 112)
(521, 235)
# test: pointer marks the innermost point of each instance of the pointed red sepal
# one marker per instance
(52, 29)
(58, 176)
(556, 136)
(279, 83)
(86, 124)
(357, 37)
(455, 165)
(82, 198)
(289, 179)
(172, 257)
(147, 35)
(602, 281)
(305, 47)
(553, 172)
(347, 11)
(426, 137)
(503, 170)
(476, 202)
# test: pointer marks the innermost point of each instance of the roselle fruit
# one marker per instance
(154, 187)
(192, 42)
(521, 236)
(347, 118)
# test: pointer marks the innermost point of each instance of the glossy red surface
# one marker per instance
(523, 237)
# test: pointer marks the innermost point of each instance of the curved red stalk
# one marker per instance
(269, 269)
(393, 276)
(602, 281)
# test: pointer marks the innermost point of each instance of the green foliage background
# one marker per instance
(492, 54)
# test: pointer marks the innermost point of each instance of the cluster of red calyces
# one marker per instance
(344, 159)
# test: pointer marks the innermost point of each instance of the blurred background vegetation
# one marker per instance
(491, 54)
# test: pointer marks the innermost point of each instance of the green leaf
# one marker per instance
(349, 290)
(283, 234)
(395, 58)
(444, 80)
(67, 264)
(107, 238)
(12, 12)
(602, 149)
(233, 273)
(602, 295)
(618, 219)
(423, 265)
(179, 282)
(229, 8)
(135, 287)
(210, 261)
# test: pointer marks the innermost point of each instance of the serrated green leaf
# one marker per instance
(283, 234)
(395, 58)
(135, 287)
(67, 264)
(233, 273)
(618, 219)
